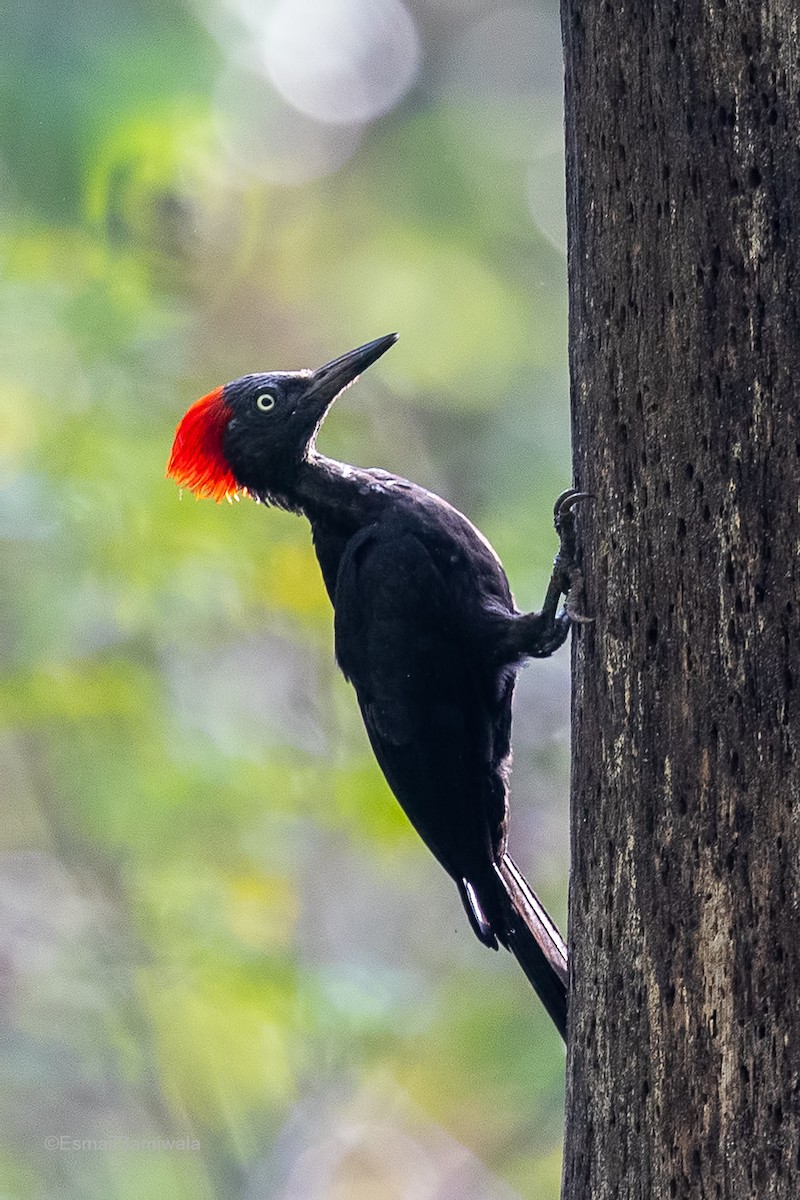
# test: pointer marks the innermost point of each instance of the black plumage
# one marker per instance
(427, 632)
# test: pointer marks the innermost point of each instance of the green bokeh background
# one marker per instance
(215, 923)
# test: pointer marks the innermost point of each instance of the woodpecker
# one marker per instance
(426, 629)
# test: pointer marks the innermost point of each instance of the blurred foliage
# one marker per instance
(212, 927)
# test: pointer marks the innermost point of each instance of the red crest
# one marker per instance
(197, 462)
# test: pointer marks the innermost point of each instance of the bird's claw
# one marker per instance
(562, 509)
(570, 573)
(576, 589)
(539, 634)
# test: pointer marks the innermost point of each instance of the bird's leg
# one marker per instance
(539, 634)
(567, 578)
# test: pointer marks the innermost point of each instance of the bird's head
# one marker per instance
(252, 434)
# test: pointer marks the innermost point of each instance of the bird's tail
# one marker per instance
(532, 937)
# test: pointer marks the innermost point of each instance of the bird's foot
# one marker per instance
(539, 634)
(567, 575)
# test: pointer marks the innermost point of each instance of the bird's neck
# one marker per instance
(332, 492)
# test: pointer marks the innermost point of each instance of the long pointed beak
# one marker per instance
(328, 381)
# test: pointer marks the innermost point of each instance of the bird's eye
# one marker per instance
(265, 401)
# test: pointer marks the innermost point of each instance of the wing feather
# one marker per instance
(429, 707)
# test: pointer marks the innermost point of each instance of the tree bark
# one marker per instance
(683, 178)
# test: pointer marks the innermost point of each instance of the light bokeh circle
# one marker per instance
(341, 61)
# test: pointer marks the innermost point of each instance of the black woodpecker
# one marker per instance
(426, 630)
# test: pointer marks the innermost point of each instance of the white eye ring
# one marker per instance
(265, 401)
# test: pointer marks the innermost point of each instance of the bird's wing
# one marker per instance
(433, 714)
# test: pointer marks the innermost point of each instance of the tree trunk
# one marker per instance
(683, 181)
